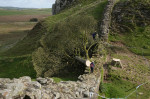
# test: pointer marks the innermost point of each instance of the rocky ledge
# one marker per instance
(60, 5)
(46, 88)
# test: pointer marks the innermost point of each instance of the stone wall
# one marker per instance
(105, 24)
(60, 5)
(46, 88)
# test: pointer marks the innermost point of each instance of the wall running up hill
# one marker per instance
(46, 88)
(105, 24)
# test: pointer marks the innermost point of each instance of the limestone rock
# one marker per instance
(42, 80)
(116, 62)
(60, 5)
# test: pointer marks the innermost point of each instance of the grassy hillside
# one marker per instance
(16, 67)
(35, 37)
(55, 42)
(14, 27)
(129, 39)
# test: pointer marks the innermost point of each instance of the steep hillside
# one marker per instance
(131, 24)
(46, 34)
(128, 41)
(55, 43)
(69, 35)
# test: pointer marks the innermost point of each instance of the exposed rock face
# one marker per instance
(46, 88)
(126, 16)
(60, 5)
(105, 24)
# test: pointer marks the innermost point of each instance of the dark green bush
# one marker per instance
(59, 47)
(34, 20)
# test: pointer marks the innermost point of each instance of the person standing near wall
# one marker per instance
(92, 65)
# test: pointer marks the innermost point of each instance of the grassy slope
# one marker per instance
(10, 33)
(45, 27)
(130, 47)
(16, 67)
(4, 12)
(137, 41)
(30, 43)
(15, 62)
(118, 87)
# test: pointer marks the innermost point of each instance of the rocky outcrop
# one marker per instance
(46, 88)
(105, 24)
(128, 15)
(60, 5)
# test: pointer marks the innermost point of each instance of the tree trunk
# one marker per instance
(84, 61)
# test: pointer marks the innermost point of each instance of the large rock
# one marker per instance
(116, 62)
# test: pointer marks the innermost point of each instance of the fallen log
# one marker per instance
(84, 61)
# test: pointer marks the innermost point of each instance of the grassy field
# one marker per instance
(14, 26)
(23, 15)
(10, 33)
(5, 12)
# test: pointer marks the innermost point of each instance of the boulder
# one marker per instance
(116, 62)
(42, 80)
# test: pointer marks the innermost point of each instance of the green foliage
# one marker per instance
(16, 67)
(34, 20)
(61, 45)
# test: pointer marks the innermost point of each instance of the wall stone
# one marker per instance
(46, 88)
(105, 24)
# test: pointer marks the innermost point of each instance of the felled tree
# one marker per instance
(68, 39)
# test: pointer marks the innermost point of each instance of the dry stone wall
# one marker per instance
(46, 88)
(105, 24)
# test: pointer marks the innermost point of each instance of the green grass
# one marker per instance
(16, 67)
(11, 33)
(137, 41)
(119, 88)
(97, 11)
(140, 39)
(25, 12)
(70, 78)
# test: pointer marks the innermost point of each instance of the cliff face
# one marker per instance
(60, 5)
